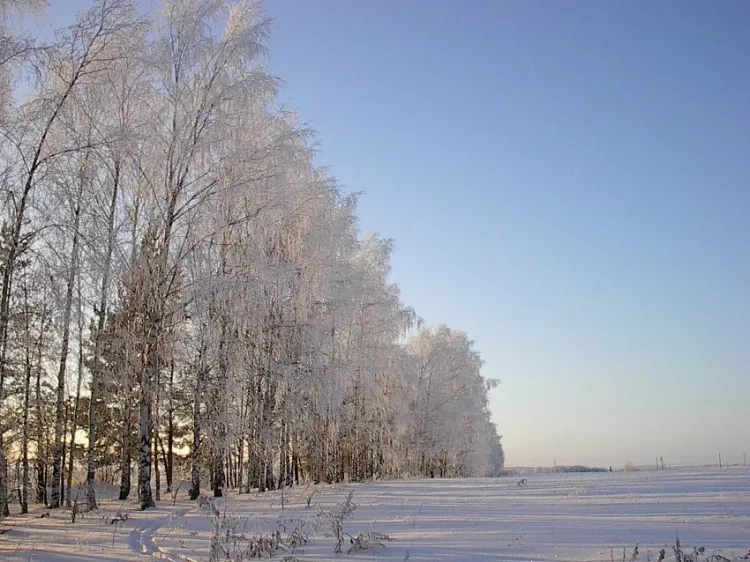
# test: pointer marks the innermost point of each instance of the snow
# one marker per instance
(587, 517)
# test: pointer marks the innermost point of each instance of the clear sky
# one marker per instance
(569, 183)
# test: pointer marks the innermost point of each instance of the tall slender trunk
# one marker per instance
(251, 421)
(283, 458)
(219, 480)
(62, 456)
(253, 458)
(25, 436)
(220, 410)
(65, 345)
(169, 459)
(126, 458)
(125, 461)
(156, 312)
(295, 463)
(4, 318)
(41, 449)
(101, 312)
(24, 499)
(242, 425)
(159, 447)
(157, 474)
(240, 459)
(154, 420)
(9, 264)
(74, 421)
(195, 469)
(145, 497)
(261, 442)
(8, 268)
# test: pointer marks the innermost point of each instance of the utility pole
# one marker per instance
(719, 460)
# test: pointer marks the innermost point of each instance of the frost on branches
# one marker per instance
(183, 286)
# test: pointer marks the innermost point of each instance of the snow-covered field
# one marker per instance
(555, 517)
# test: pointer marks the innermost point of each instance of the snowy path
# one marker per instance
(93, 537)
(141, 539)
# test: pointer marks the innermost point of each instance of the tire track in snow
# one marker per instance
(141, 539)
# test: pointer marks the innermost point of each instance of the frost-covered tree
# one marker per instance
(15, 48)
(34, 148)
(450, 429)
(176, 264)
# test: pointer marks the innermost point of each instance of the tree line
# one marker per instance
(184, 292)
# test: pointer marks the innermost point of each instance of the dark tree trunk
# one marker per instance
(74, 422)
(195, 470)
(240, 457)
(145, 498)
(157, 475)
(218, 473)
(62, 467)
(41, 481)
(57, 460)
(125, 465)
(101, 312)
(25, 437)
(165, 462)
(195, 467)
(41, 448)
(25, 434)
(169, 459)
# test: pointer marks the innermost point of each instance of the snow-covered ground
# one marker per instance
(555, 517)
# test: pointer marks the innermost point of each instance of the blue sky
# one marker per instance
(568, 182)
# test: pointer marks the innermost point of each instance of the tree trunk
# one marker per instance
(125, 469)
(219, 476)
(262, 476)
(145, 498)
(62, 458)
(101, 312)
(59, 411)
(195, 469)
(165, 461)
(74, 422)
(11, 255)
(41, 465)
(157, 474)
(219, 445)
(41, 481)
(169, 459)
(240, 458)
(25, 436)
(24, 497)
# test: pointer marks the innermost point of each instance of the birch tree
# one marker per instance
(59, 70)
(168, 235)
(121, 119)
